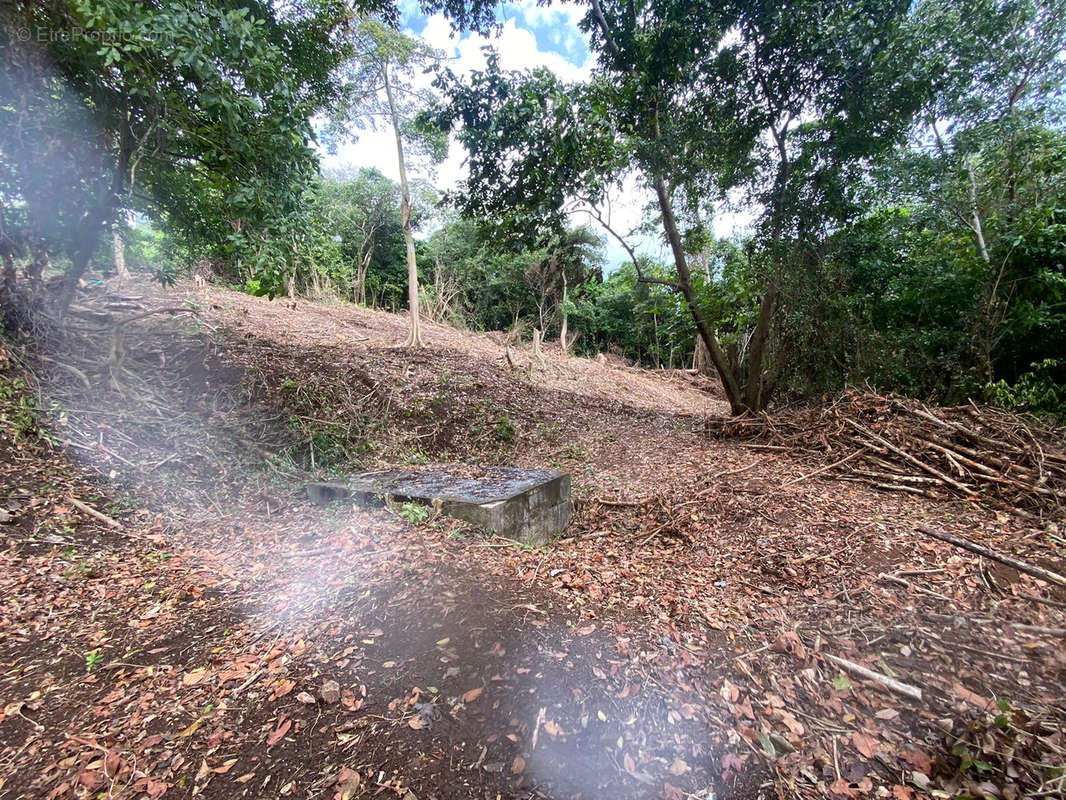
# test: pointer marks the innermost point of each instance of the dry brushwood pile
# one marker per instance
(1014, 462)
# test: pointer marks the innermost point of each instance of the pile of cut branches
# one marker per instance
(969, 451)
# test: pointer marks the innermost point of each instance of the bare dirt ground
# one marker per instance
(227, 639)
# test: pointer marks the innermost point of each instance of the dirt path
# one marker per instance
(676, 645)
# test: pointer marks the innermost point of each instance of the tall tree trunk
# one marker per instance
(7, 292)
(414, 337)
(755, 396)
(89, 235)
(729, 380)
(36, 267)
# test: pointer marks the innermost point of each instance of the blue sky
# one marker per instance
(554, 29)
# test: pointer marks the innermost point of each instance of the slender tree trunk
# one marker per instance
(92, 228)
(360, 276)
(7, 255)
(7, 292)
(729, 380)
(701, 358)
(35, 269)
(538, 337)
(563, 325)
(414, 338)
(976, 225)
(119, 248)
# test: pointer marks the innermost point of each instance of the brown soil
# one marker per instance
(672, 645)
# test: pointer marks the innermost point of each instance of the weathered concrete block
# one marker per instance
(529, 506)
(325, 493)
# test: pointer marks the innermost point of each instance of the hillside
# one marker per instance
(684, 639)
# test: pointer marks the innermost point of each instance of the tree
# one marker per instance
(980, 157)
(684, 92)
(196, 114)
(381, 80)
(565, 264)
(362, 211)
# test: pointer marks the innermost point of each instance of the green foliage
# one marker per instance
(505, 430)
(1040, 390)
(18, 411)
(93, 660)
(789, 100)
(415, 513)
(195, 114)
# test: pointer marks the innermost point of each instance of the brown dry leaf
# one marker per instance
(347, 784)
(918, 759)
(551, 727)
(902, 792)
(865, 744)
(842, 788)
(305, 698)
(279, 733)
(283, 687)
(679, 767)
(472, 695)
(518, 766)
(416, 723)
(628, 763)
(193, 677)
(973, 698)
(585, 631)
(226, 767)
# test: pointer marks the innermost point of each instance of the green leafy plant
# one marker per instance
(415, 512)
(1039, 390)
(93, 659)
(969, 758)
(18, 412)
(505, 430)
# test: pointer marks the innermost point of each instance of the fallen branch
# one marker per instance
(620, 503)
(1008, 459)
(908, 457)
(1044, 600)
(905, 689)
(1021, 566)
(901, 582)
(826, 468)
(92, 512)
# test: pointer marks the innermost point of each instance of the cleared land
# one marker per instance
(689, 636)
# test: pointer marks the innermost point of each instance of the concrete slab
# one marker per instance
(530, 506)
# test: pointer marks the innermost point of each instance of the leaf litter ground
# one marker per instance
(230, 640)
